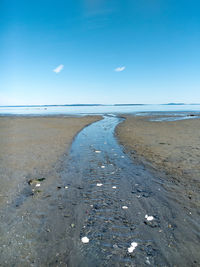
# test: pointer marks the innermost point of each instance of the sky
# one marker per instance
(99, 51)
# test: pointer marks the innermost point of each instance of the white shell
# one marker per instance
(85, 239)
(132, 247)
(149, 218)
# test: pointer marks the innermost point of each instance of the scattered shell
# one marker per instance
(99, 184)
(85, 239)
(37, 185)
(124, 207)
(114, 187)
(149, 218)
(97, 151)
(132, 247)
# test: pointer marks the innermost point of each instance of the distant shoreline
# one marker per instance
(94, 105)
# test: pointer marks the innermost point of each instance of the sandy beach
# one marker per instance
(30, 146)
(169, 146)
(84, 203)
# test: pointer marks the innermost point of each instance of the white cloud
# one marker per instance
(58, 69)
(120, 69)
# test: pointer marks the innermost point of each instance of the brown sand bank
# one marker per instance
(170, 146)
(29, 146)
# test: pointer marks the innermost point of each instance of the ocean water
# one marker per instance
(80, 110)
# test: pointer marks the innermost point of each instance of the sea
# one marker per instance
(182, 111)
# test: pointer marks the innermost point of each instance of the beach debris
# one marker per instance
(72, 225)
(124, 207)
(98, 151)
(80, 187)
(114, 187)
(122, 157)
(132, 247)
(37, 185)
(112, 172)
(66, 187)
(41, 179)
(85, 240)
(59, 187)
(149, 218)
(35, 181)
(99, 184)
(102, 166)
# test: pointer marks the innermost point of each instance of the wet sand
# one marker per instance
(30, 146)
(91, 190)
(169, 146)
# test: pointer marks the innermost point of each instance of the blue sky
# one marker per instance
(99, 51)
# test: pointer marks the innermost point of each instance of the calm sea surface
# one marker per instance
(104, 109)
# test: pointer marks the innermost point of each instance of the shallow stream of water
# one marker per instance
(117, 195)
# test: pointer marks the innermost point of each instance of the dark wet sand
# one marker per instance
(170, 146)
